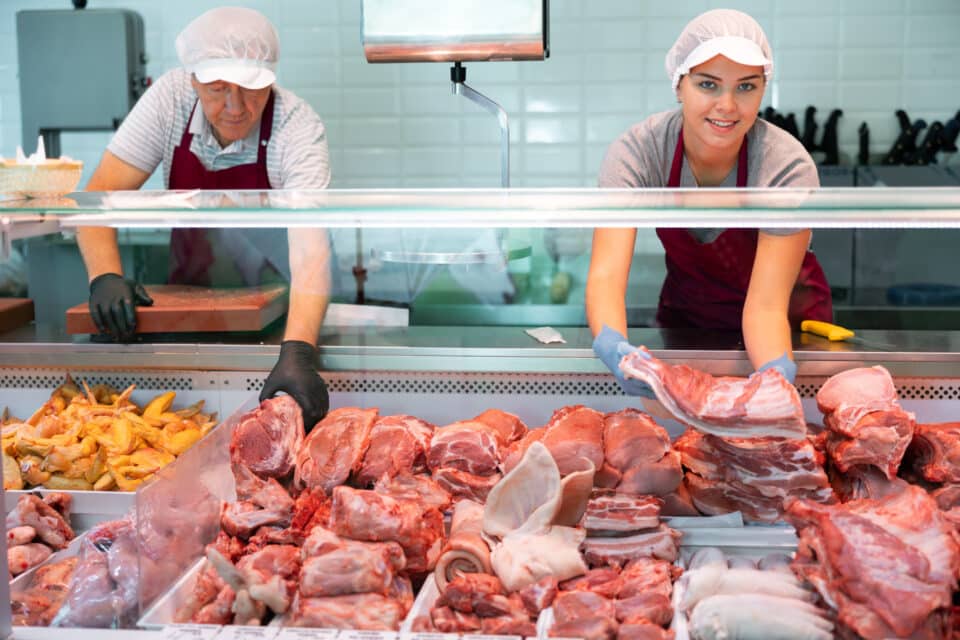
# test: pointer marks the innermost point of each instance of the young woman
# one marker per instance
(761, 281)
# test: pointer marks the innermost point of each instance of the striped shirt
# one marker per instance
(297, 156)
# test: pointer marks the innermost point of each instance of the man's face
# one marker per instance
(231, 110)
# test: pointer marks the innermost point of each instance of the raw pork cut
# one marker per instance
(887, 566)
(865, 423)
(469, 446)
(465, 486)
(267, 439)
(659, 543)
(466, 551)
(398, 446)
(508, 425)
(612, 511)
(573, 433)
(935, 451)
(765, 404)
(334, 448)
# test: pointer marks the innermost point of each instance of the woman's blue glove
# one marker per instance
(783, 364)
(610, 347)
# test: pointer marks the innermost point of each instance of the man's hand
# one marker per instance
(296, 375)
(113, 302)
(783, 364)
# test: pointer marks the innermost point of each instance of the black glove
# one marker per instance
(296, 374)
(112, 302)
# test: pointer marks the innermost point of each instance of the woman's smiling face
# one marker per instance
(720, 101)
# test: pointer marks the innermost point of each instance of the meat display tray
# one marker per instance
(15, 312)
(187, 309)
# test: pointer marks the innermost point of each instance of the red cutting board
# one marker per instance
(186, 309)
(15, 312)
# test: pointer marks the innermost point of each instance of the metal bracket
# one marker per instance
(458, 76)
(23, 227)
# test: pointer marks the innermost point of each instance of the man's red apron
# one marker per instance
(706, 283)
(190, 252)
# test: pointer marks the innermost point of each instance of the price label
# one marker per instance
(481, 636)
(429, 636)
(248, 633)
(190, 632)
(369, 635)
(293, 633)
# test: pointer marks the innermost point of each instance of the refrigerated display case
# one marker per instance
(447, 373)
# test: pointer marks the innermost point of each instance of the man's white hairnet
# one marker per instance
(731, 34)
(232, 44)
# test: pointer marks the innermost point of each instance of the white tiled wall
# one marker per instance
(399, 125)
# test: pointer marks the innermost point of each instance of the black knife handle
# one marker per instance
(809, 129)
(863, 133)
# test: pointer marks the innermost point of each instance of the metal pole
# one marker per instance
(458, 75)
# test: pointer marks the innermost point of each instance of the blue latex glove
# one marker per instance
(610, 347)
(783, 364)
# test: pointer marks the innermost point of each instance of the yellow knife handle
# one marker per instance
(829, 331)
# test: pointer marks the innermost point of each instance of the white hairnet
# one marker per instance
(232, 44)
(732, 34)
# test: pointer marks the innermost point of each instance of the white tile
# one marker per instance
(758, 9)
(795, 96)
(369, 131)
(539, 130)
(932, 63)
(933, 31)
(436, 161)
(661, 33)
(349, 10)
(482, 128)
(433, 99)
(873, 31)
(797, 31)
(564, 69)
(300, 73)
(919, 7)
(931, 94)
(867, 95)
(363, 101)
(613, 34)
(616, 98)
(616, 66)
(293, 12)
(568, 37)
(430, 131)
(872, 7)
(807, 7)
(310, 41)
(485, 161)
(554, 159)
(685, 9)
(358, 72)
(619, 8)
(805, 64)
(552, 99)
(605, 129)
(371, 162)
(871, 64)
(326, 102)
(561, 10)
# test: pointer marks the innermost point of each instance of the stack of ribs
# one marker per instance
(865, 424)
(888, 567)
(751, 475)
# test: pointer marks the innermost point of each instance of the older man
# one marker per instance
(220, 122)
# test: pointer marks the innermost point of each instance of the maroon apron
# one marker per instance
(190, 252)
(706, 283)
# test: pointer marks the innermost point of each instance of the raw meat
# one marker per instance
(465, 486)
(420, 487)
(508, 425)
(631, 437)
(718, 579)
(365, 611)
(647, 575)
(659, 543)
(885, 565)
(24, 556)
(267, 439)
(47, 522)
(523, 558)
(935, 451)
(764, 404)
(650, 607)
(603, 581)
(512, 455)
(466, 551)
(538, 596)
(612, 511)
(528, 497)
(574, 605)
(572, 433)
(659, 478)
(469, 446)
(398, 446)
(865, 423)
(575, 490)
(591, 628)
(334, 448)
(367, 515)
(758, 617)
(352, 567)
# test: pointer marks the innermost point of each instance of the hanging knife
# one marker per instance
(927, 152)
(829, 144)
(791, 126)
(906, 142)
(809, 129)
(863, 135)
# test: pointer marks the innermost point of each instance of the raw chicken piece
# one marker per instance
(22, 557)
(466, 551)
(758, 617)
(398, 446)
(334, 449)
(466, 486)
(50, 526)
(267, 439)
(469, 446)
(20, 535)
(718, 579)
(765, 404)
(367, 515)
(37, 605)
(60, 501)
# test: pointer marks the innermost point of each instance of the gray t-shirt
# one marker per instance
(643, 155)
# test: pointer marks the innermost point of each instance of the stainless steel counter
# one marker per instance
(483, 349)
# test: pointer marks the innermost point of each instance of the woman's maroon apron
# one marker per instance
(706, 283)
(190, 252)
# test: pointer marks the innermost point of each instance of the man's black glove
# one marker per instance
(113, 299)
(296, 374)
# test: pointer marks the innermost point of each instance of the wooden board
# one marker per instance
(15, 312)
(186, 309)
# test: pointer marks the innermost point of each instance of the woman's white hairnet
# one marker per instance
(732, 34)
(232, 44)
